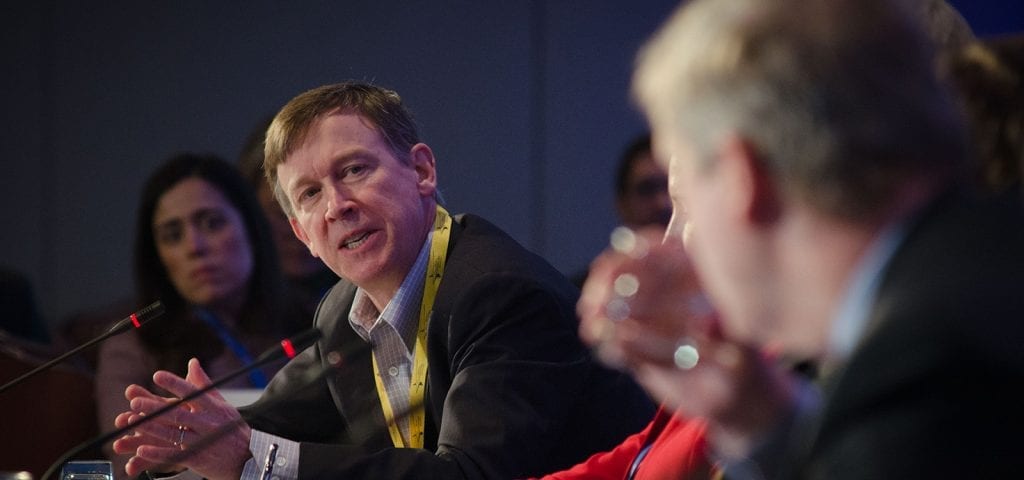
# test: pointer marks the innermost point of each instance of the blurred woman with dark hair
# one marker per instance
(203, 248)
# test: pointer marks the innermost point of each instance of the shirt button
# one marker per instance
(282, 461)
(393, 371)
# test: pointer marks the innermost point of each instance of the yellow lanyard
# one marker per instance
(417, 386)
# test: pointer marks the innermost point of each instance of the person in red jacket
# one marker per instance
(673, 445)
(670, 447)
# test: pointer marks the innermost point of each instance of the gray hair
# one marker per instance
(838, 97)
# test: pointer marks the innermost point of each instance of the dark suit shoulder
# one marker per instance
(479, 248)
(957, 276)
(335, 304)
(941, 361)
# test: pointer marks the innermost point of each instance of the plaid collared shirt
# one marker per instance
(393, 334)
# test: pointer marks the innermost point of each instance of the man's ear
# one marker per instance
(301, 234)
(752, 193)
(422, 159)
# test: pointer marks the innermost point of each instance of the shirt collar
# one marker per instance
(402, 311)
(851, 319)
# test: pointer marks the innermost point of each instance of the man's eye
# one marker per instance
(354, 170)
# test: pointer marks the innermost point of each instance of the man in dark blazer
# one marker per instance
(819, 162)
(510, 391)
(941, 359)
(525, 396)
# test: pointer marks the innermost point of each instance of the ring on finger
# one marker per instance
(181, 437)
(626, 285)
(686, 356)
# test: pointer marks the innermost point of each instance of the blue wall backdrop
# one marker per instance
(524, 102)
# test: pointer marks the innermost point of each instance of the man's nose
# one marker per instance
(339, 202)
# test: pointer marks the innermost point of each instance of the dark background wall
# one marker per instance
(524, 102)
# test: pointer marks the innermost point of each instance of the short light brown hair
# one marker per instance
(383, 108)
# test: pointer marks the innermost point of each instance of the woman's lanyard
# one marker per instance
(417, 385)
(636, 461)
(256, 377)
(661, 419)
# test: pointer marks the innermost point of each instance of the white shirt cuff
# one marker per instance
(286, 461)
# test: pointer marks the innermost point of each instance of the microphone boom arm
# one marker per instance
(152, 311)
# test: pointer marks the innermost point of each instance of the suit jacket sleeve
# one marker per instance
(297, 404)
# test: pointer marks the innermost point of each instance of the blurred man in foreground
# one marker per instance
(819, 161)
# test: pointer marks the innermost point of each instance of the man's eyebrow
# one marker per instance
(357, 153)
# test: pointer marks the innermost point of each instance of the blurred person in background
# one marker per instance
(641, 191)
(641, 187)
(19, 314)
(203, 248)
(307, 277)
(988, 75)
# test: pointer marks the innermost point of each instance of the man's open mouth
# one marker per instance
(355, 241)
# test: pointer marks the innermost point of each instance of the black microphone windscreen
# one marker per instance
(151, 311)
(304, 339)
(138, 318)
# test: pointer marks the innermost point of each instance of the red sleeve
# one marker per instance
(613, 464)
(679, 450)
